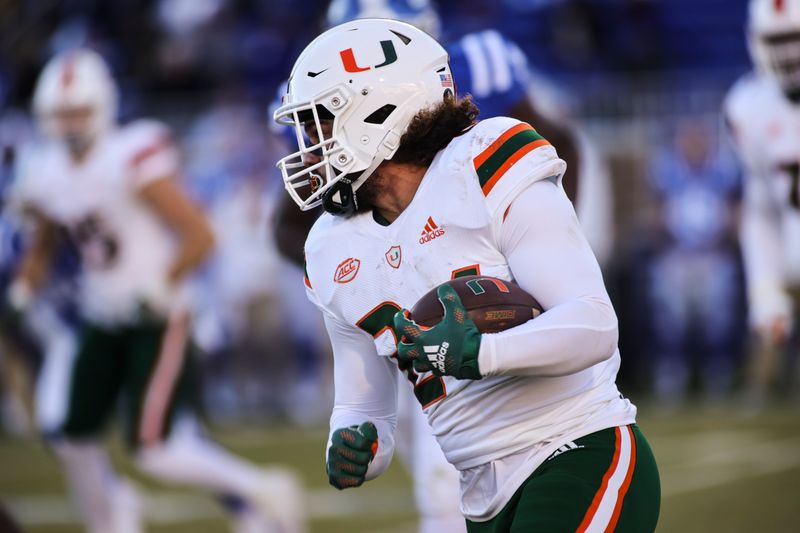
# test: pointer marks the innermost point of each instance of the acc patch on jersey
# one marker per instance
(347, 270)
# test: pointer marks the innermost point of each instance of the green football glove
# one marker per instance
(450, 348)
(352, 450)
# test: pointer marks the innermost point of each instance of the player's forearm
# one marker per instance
(33, 271)
(35, 265)
(550, 258)
(181, 215)
(566, 339)
(196, 246)
(763, 256)
(365, 387)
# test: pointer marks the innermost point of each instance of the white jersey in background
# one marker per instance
(496, 430)
(126, 251)
(766, 130)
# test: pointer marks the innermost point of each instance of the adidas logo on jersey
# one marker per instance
(430, 232)
(436, 354)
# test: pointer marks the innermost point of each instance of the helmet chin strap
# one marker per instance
(340, 200)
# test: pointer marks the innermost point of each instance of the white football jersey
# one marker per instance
(766, 131)
(360, 273)
(126, 251)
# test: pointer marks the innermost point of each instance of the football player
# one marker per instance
(112, 190)
(495, 72)
(763, 112)
(416, 192)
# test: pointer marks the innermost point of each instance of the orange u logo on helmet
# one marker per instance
(349, 60)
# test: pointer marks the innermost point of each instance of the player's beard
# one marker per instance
(367, 194)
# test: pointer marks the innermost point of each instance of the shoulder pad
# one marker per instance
(738, 102)
(508, 155)
(142, 137)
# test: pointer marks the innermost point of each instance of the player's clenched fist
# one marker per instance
(450, 348)
(352, 450)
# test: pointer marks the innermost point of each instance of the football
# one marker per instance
(493, 304)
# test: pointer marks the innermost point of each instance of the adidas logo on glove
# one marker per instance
(436, 354)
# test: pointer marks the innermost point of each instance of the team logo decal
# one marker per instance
(314, 181)
(349, 59)
(430, 231)
(477, 288)
(347, 270)
(394, 256)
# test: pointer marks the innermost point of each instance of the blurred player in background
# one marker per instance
(112, 190)
(694, 276)
(763, 112)
(16, 355)
(392, 151)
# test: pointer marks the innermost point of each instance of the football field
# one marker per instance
(721, 471)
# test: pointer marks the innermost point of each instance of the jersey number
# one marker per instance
(431, 389)
(428, 391)
(98, 247)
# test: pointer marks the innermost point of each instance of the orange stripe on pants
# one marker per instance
(598, 496)
(162, 382)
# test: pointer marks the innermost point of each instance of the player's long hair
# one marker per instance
(432, 129)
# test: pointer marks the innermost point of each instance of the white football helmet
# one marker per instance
(74, 80)
(366, 79)
(774, 39)
(419, 13)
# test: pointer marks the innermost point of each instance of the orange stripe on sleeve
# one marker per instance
(492, 148)
(150, 150)
(519, 154)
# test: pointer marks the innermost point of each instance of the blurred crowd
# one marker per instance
(641, 80)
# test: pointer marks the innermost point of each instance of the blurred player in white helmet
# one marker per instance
(113, 191)
(763, 113)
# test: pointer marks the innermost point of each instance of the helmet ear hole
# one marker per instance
(380, 115)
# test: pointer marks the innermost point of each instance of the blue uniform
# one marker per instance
(490, 68)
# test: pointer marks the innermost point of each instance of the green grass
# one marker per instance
(721, 472)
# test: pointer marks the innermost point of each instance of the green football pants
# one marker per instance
(605, 481)
(148, 364)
